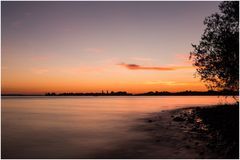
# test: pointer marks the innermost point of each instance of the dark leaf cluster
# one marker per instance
(216, 57)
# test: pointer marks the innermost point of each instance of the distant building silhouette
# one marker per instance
(151, 93)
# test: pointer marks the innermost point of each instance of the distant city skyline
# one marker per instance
(84, 46)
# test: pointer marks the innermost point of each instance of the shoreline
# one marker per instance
(196, 132)
(179, 134)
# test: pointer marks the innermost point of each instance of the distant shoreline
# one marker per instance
(107, 96)
(123, 93)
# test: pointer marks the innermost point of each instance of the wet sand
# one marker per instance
(176, 137)
(165, 138)
(182, 133)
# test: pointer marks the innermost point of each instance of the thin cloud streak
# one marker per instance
(139, 67)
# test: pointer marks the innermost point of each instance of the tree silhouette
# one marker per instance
(216, 57)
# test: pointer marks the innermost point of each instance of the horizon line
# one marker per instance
(113, 92)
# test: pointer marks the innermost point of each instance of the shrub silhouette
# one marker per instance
(216, 57)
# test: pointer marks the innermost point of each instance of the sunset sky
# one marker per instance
(94, 46)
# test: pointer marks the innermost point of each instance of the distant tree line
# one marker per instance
(191, 93)
(151, 93)
(112, 93)
(156, 93)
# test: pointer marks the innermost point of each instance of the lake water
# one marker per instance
(80, 127)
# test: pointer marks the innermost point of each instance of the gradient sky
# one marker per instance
(94, 46)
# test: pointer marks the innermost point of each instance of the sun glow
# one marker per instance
(73, 49)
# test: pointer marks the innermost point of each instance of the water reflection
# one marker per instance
(79, 127)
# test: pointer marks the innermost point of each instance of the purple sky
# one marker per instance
(86, 46)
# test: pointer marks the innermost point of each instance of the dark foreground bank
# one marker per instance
(190, 133)
(203, 132)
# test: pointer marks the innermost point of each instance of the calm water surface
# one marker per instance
(80, 127)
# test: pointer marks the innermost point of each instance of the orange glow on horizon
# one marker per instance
(145, 49)
(60, 87)
(95, 79)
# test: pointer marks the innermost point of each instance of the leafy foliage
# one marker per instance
(216, 57)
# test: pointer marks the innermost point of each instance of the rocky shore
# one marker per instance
(199, 132)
